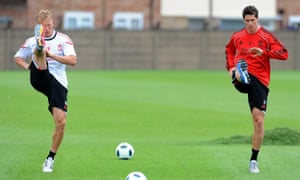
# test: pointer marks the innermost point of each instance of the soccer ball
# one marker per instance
(124, 151)
(136, 176)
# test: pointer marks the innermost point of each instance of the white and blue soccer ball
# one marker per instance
(136, 176)
(124, 151)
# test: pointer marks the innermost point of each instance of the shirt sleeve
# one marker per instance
(230, 51)
(277, 50)
(25, 50)
(69, 49)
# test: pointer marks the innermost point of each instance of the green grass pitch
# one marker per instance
(170, 117)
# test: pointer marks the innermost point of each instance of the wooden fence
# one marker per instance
(167, 50)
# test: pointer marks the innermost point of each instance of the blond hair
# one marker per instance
(44, 14)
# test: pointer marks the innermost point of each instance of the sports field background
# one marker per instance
(170, 117)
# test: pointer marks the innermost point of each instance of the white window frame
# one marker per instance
(76, 20)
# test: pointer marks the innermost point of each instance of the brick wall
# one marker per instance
(290, 7)
(104, 9)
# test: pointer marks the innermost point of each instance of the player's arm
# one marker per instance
(22, 54)
(68, 60)
(69, 57)
(230, 51)
(22, 63)
(277, 50)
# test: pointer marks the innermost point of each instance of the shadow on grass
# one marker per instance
(277, 136)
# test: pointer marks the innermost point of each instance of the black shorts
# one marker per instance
(44, 82)
(257, 93)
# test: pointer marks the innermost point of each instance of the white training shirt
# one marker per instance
(59, 44)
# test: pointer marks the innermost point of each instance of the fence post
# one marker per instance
(107, 49)
(297, 55)
(154, 49)
(7, 45)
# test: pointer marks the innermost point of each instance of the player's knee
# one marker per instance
(60, 124)
(59, 117)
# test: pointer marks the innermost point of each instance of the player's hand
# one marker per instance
(231, 71)
(50, 55)
(256, 51)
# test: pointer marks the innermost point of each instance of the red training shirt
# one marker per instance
(238, 48)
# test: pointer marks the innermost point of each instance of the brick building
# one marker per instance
(287, 8)
(22, 12)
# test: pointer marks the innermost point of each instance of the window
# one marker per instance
(237, 24)
(197, 24)
(75, 20)
(231, 24)
(294, 23)
(128, 21)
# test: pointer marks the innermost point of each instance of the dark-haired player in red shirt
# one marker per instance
(248, 55)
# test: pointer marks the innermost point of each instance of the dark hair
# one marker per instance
(250, 10)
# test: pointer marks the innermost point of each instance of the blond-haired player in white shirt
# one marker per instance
(51, 51)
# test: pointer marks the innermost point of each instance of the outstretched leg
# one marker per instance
(39, 52)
